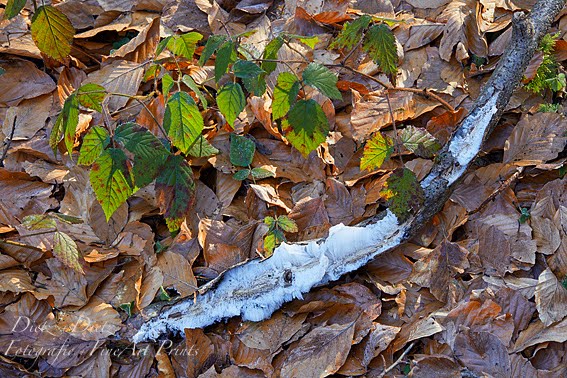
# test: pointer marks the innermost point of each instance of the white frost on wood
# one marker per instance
(256, 289)
(466, 144)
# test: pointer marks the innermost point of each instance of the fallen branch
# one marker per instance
(257, 288)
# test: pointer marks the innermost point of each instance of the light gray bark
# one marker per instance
(257, 288)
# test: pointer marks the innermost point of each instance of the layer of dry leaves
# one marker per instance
(475, 293)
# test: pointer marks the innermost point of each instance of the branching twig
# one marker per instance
(8, 142)
(391, 367)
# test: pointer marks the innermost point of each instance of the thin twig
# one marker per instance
(8, 142)
(391, 367)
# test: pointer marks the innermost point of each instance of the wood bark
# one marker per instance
(256, 289)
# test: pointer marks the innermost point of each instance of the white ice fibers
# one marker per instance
(258, 288)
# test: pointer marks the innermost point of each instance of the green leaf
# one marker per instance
(67, 218)
(13, 8)
(202, 148)
(241, 150)
(162, 45)
(167, 83)
(420, 142)
(162, 295)
(272, 240)
(241, 175)
(211, 46)
(261, 173)
(2, 71)
(188, 81)
(109, 179)
(175, 190)
(285, 94)
(376, 151)
(127, 308)
(557, 83)
(96, 140)
(149, 153)
(286, 224)
(231, 101)
(351, 33)
(380, 44)
(52, 32)
(270, 221)
(91, 96)
(309, 41)
(184, 45)
(65, 250)
(225, 56)
(255, 85)
(319, 76)
(308, 126)
(403, 193)
(183, 121)
(246, 70)
(152, 72)
(271, 53)
(38, 222)
(69, 121)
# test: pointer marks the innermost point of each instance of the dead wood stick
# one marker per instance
(256, 289)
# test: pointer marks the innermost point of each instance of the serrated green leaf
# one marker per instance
(175, 190)
(167, 83)
(149, 153)
(109, 179)
(183, 121)
(286, 224)
(420, 142)
(306, 126)
(285, 94)
(184, 45)
(246, 70)
(226, 55)
(320, 77)
(52, 32)
(380, 44)
(211, 46)
(69, 121)
(261, 173)
(91, 96)
(270, 221)
(309, 41)
(376, 151)
(231, 101)
(351, 33)
(38, 222)
(241, 175)
(96, 140)
(162, 45)
(188, 81)
(403, 193)
(271, 53)
(56, 133)
(65, 250)
(13, 8)
(241, 150)
(271, 240)
(202, 148)
(256, 85)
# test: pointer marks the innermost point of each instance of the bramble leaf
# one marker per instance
(110, 180)
(38, 222)
(306, 126)
(52, 32)
(94, 142)
(175, 190)
(65, 250)
(241, 175)
(420, 141)
(246, 70)
(260, 173)
(241, 150)
(286, 224)
(351, 33)
(184, 45)
(285, 94)
(188, 81)
(271, 53)
(66, 123)
(231, 101)
(167, 83)
(149, 153)
(202, 148)
(380, 44)
(320, 77)
(376, 151)
(270, 221)
(91, 96)
(183, 121)
(211, 46)
(403, 193)
(226, 55)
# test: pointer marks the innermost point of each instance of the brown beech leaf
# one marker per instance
(434, 365)
(538, 333)
(551, 298)
(321, 352)
(483, 353)
(200, 352)
(23, 80)
(177, 273)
